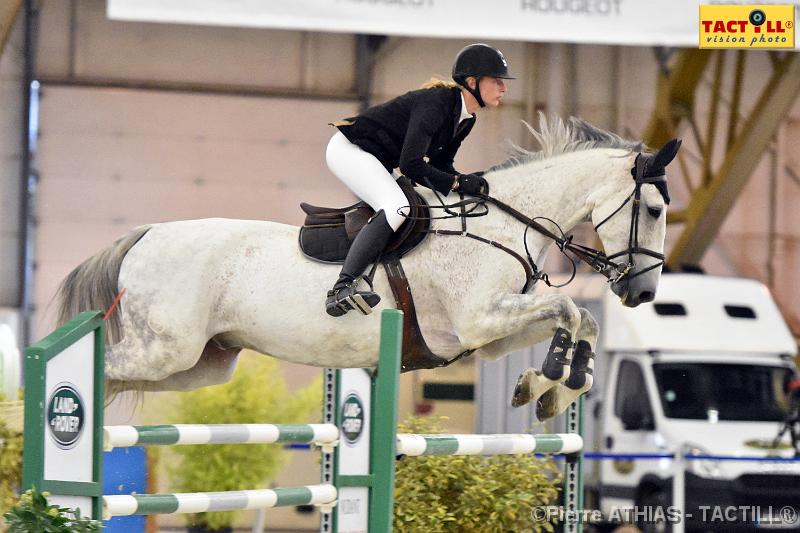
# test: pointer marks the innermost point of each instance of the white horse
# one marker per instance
(198, 291)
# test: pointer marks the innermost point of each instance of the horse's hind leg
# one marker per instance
(580, 380)
(549, 315)
(156, 343)
(215, 366)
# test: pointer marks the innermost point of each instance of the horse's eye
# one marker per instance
(654, 212)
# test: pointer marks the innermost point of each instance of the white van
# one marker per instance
(704, 368)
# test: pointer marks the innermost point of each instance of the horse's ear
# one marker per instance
(666, 153)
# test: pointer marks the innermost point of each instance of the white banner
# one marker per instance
(625, 22)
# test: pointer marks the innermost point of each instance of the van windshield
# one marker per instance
(702, 391)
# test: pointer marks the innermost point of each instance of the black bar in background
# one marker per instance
(448, 391)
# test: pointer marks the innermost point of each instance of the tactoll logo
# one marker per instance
(747, 26)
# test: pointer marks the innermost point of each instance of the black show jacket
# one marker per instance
(404, 130)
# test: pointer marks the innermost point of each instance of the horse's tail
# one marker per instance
(93, 284)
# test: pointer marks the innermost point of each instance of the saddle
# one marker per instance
(327, 234)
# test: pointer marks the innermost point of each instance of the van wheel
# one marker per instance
(654, 519)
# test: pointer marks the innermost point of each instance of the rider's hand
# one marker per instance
(470, 183)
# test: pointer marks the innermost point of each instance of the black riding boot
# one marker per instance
(365, 250)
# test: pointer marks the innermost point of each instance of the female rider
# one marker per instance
(426, 123)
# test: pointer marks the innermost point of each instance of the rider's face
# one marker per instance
(492, 90)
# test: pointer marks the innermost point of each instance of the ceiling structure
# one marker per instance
(728, 144)
(8, 14)
(715, 189)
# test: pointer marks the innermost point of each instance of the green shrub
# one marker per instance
(10, 462)
(33, 514)
(257, 394)
(471, 494)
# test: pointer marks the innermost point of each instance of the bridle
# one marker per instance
(641, 177)
(644, 171)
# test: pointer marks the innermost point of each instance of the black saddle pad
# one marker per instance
(327, 232)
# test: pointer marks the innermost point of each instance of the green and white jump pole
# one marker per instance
(323, 435)
(65, 437)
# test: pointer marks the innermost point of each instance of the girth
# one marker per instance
(416, 353)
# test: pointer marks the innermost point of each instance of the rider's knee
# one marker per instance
(396, 215)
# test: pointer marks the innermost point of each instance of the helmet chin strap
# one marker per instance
(476, 92)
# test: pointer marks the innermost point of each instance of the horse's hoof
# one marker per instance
(547, 404)
(556, 400)
(522, 391)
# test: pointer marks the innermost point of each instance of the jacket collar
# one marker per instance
(458, 106)
(464, 115)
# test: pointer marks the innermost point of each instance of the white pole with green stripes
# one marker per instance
(206, 502)
(502, 444)
(324, 435)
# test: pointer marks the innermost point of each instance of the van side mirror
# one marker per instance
(636, 415)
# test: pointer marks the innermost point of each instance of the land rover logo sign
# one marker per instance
(352, 418)
(65, 415)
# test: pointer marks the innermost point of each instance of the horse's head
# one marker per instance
(631, 223)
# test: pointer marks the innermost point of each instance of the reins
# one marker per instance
(596, 259)
(478, 206)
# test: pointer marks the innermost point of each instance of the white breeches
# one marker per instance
(367, 178)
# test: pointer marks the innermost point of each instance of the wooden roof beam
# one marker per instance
(9, 9)
(711, 204)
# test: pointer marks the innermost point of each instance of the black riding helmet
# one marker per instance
(479, 60)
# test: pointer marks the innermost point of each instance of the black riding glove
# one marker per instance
(470, 183)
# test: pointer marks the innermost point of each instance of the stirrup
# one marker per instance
(340, 301)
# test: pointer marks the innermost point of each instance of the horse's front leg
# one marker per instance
(556, 399)
(523, 320)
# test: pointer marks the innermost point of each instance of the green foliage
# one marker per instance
(257, 394)
(34, 515)
(10, 463)
(471, 494)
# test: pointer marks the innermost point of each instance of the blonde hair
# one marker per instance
(438, 83)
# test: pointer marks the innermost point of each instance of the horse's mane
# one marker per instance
(557, 137)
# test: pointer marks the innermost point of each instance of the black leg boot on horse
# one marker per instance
(365, 250)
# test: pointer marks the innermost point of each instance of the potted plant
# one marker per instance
(257, 393)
